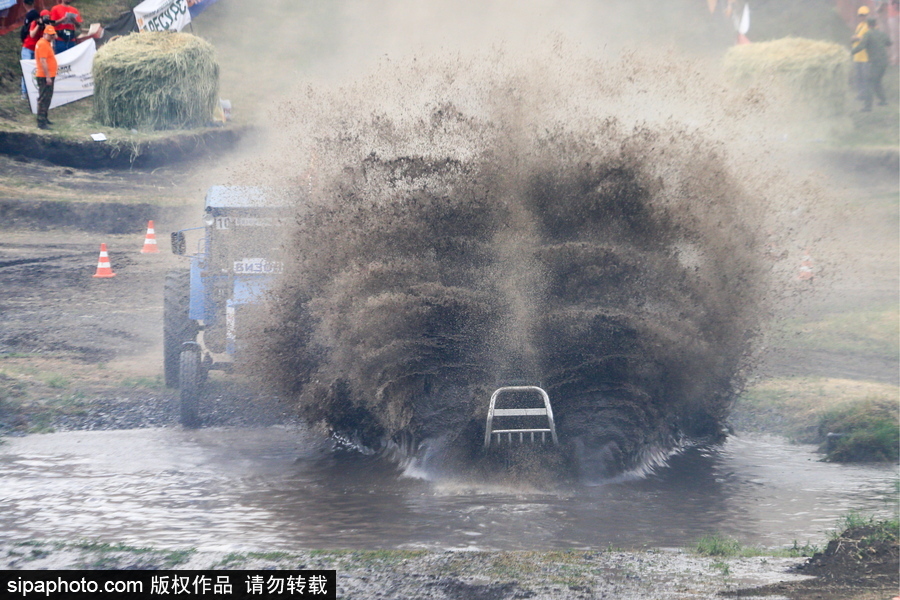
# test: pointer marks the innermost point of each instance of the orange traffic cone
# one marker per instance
(103, 267)
(806, 267)
(150, 246)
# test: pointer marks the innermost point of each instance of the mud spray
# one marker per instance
(595, 227)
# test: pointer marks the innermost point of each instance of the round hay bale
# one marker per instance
(812, 72)
(156, 80)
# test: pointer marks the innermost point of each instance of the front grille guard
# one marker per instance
(494, 413)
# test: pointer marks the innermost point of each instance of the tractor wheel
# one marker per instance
(178, 327)
(190, 376)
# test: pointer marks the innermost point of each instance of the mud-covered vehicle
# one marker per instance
(232, 262)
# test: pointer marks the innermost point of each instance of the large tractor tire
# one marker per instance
(178, 327)
(190, 381)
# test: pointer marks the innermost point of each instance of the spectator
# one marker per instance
(29, 40)
(45, 74)
(861, 57)
(875, 43)
(66, 19)
(30, 16)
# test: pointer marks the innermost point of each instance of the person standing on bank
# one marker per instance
(860, 57)
(875, 43)
(46, 74)
(31, 32)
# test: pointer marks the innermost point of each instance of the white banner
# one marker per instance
(745, 20)
(160, 15)
(74, 80)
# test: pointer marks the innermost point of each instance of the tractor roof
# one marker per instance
(231, 196)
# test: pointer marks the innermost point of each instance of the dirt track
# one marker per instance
(86, 353)
(53, 305)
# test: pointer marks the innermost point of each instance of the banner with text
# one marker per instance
(160, 15)
(74, 80)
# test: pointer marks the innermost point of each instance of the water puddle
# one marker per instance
(240, 489)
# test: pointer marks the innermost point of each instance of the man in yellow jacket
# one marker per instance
(861, 58)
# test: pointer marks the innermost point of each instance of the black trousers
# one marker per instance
(45, 95)
(876, 73)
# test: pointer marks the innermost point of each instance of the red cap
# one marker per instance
(45, 13)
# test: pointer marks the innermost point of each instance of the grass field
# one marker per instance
(869, 331)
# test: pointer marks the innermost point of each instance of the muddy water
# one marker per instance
(232, 489)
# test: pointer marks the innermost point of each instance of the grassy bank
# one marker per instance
(92, 11)
(871, 531)
(37, 391)
(74, 122)
(861, 416)
(850, 419)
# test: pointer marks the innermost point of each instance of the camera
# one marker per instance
(45, 20)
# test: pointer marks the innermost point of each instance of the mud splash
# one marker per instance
(562, 220)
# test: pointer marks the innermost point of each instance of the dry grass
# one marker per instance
(866, 332)
(797, 406)
(32, 378)
(156, 80)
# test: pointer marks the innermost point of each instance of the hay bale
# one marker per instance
(156, 80)
(812, 72)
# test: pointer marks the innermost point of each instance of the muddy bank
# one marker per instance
(402, 574)
(105, 217)
(862, 562)
(135, 408)
(121, 154)
(562, 575)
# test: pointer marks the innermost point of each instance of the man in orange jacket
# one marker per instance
(45, 74)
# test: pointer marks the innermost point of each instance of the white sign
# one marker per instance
(258, 266)
(162, 15)
(74, 80)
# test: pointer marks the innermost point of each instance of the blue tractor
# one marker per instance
(231, 266)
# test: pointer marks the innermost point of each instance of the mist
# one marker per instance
(273, 48)
(570, 192)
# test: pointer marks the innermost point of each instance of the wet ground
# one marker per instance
(401, 575)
